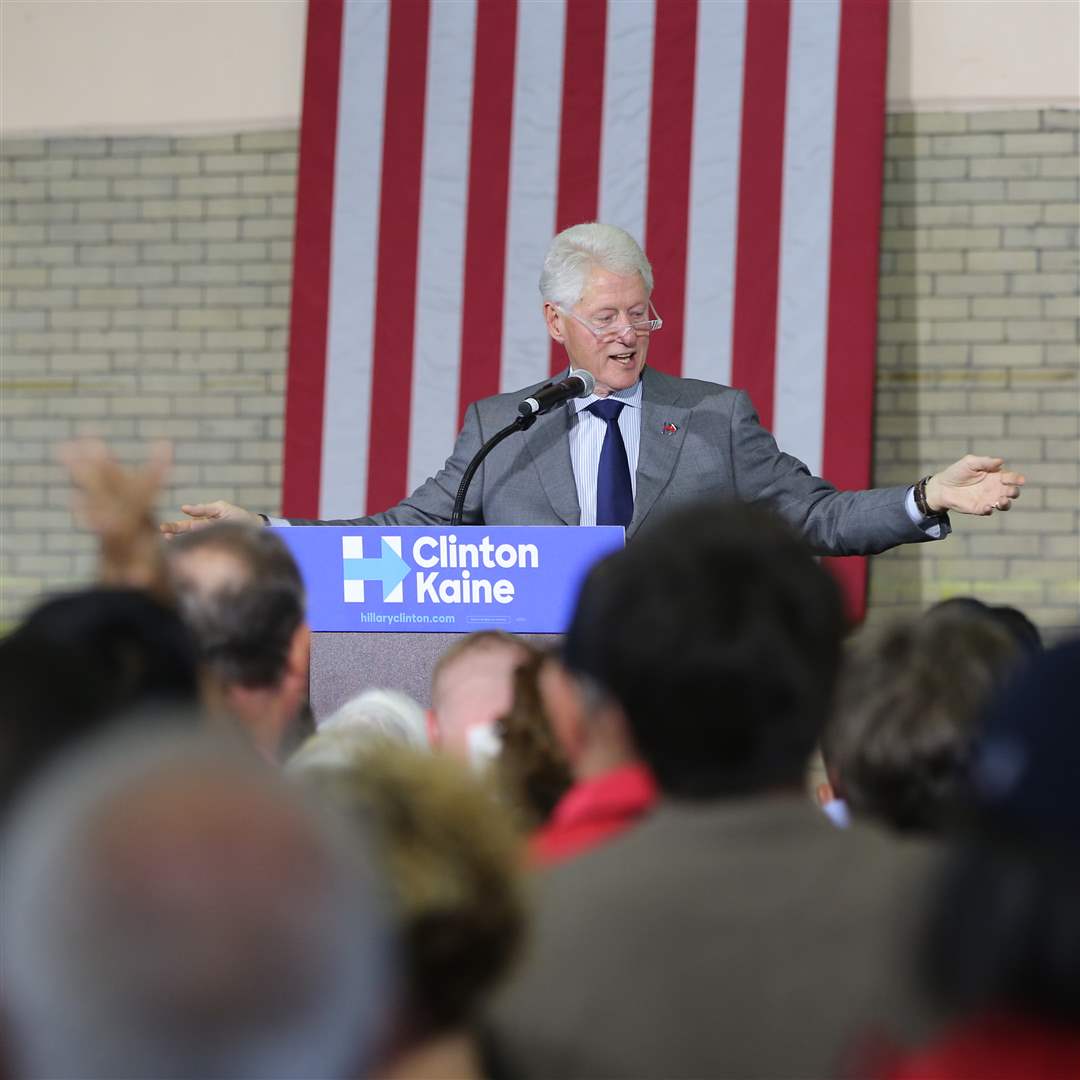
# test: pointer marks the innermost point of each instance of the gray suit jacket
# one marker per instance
(718, 450)
(735, 939)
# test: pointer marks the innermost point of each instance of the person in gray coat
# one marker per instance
(644, 443)
(735, 932)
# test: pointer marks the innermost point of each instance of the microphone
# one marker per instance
(576, 384)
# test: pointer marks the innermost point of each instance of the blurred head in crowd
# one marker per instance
(453, 861)
(1004, 933)
(241, 593)
(387, 714)
(172, 908)
(79, 662)
(471, 687)
(909, 698)
(1010, 619)
(532, 768)
(718, 636)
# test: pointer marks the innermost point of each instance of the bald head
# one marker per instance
(172, 907)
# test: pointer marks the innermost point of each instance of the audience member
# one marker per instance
(1010, 619)
(389, 714)
(454, 865)
(471, 687)
(81, 661)
(531, 768)
(172, 908)
(734, 931)
(1003, 942)
(612, 788)
(897, 745)
(240, 591)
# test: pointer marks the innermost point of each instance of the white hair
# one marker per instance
(255, 946)
(386, 713)
(577, 250)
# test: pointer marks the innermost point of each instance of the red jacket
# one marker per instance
(593, 811)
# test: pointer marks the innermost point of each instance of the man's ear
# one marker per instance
(554, 323)
(298, 660)
(564, 706)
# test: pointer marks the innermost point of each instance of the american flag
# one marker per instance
(444, 143)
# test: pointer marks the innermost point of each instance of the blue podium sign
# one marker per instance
(524, 579)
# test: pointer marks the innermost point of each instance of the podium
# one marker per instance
(385, 603)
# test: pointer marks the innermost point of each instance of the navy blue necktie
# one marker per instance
(614, 495)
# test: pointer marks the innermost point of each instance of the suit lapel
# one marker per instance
(549, 443)
(660, 446)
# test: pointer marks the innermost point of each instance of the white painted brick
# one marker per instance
(107, 211)
(170, 165)
(966, 145)
(1061, 260)
(1007, 355)
(969, 330)
(138, 318)
(234, 163)
(109, 254)
(1042, 190)
(161, 187)
(170, 294)
(1004, 306)
(1043, 284)
(178, 209)
(1006, 214)
(1002, 121)
(208, 230)
(147, 231)
(969, 191)
(1060, 168)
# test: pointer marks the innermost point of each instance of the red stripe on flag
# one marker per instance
(399, 233)
(305, 387)
(761, 167)
(670, 141)
(581, 123)
(489, 178)
(853, 273)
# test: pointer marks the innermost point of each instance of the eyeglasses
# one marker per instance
(603, 327)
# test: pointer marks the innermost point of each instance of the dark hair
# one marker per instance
(1004, 933)
(719, 636)
(80, 661)
(1010, 619)
(244, 627)
(531, 767)
(908, 699)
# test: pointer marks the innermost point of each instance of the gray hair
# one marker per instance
(386, 713)
(262, 950)
(575, 251)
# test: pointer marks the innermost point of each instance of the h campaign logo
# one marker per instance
(388, 568)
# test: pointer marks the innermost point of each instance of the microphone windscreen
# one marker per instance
(587, 380)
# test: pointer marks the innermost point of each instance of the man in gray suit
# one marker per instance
(646, 442)
(735, 932)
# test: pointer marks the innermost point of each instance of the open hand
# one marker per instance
(211, 513)
(116, 503)
(974, 485)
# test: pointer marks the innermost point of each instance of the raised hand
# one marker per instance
(202, 514)
(974, 485)
(116, 503)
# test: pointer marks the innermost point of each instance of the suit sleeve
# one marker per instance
(432, 502)
(833, 522)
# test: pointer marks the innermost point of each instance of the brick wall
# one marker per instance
(978, 350)
(144, 292)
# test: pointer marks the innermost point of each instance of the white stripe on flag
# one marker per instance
(714, 188)
(444, 200)
(534, 181)
(354, 248)
(806, 229)
(624, 138)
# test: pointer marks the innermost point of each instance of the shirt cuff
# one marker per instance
(936, 526)
(278, 523)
